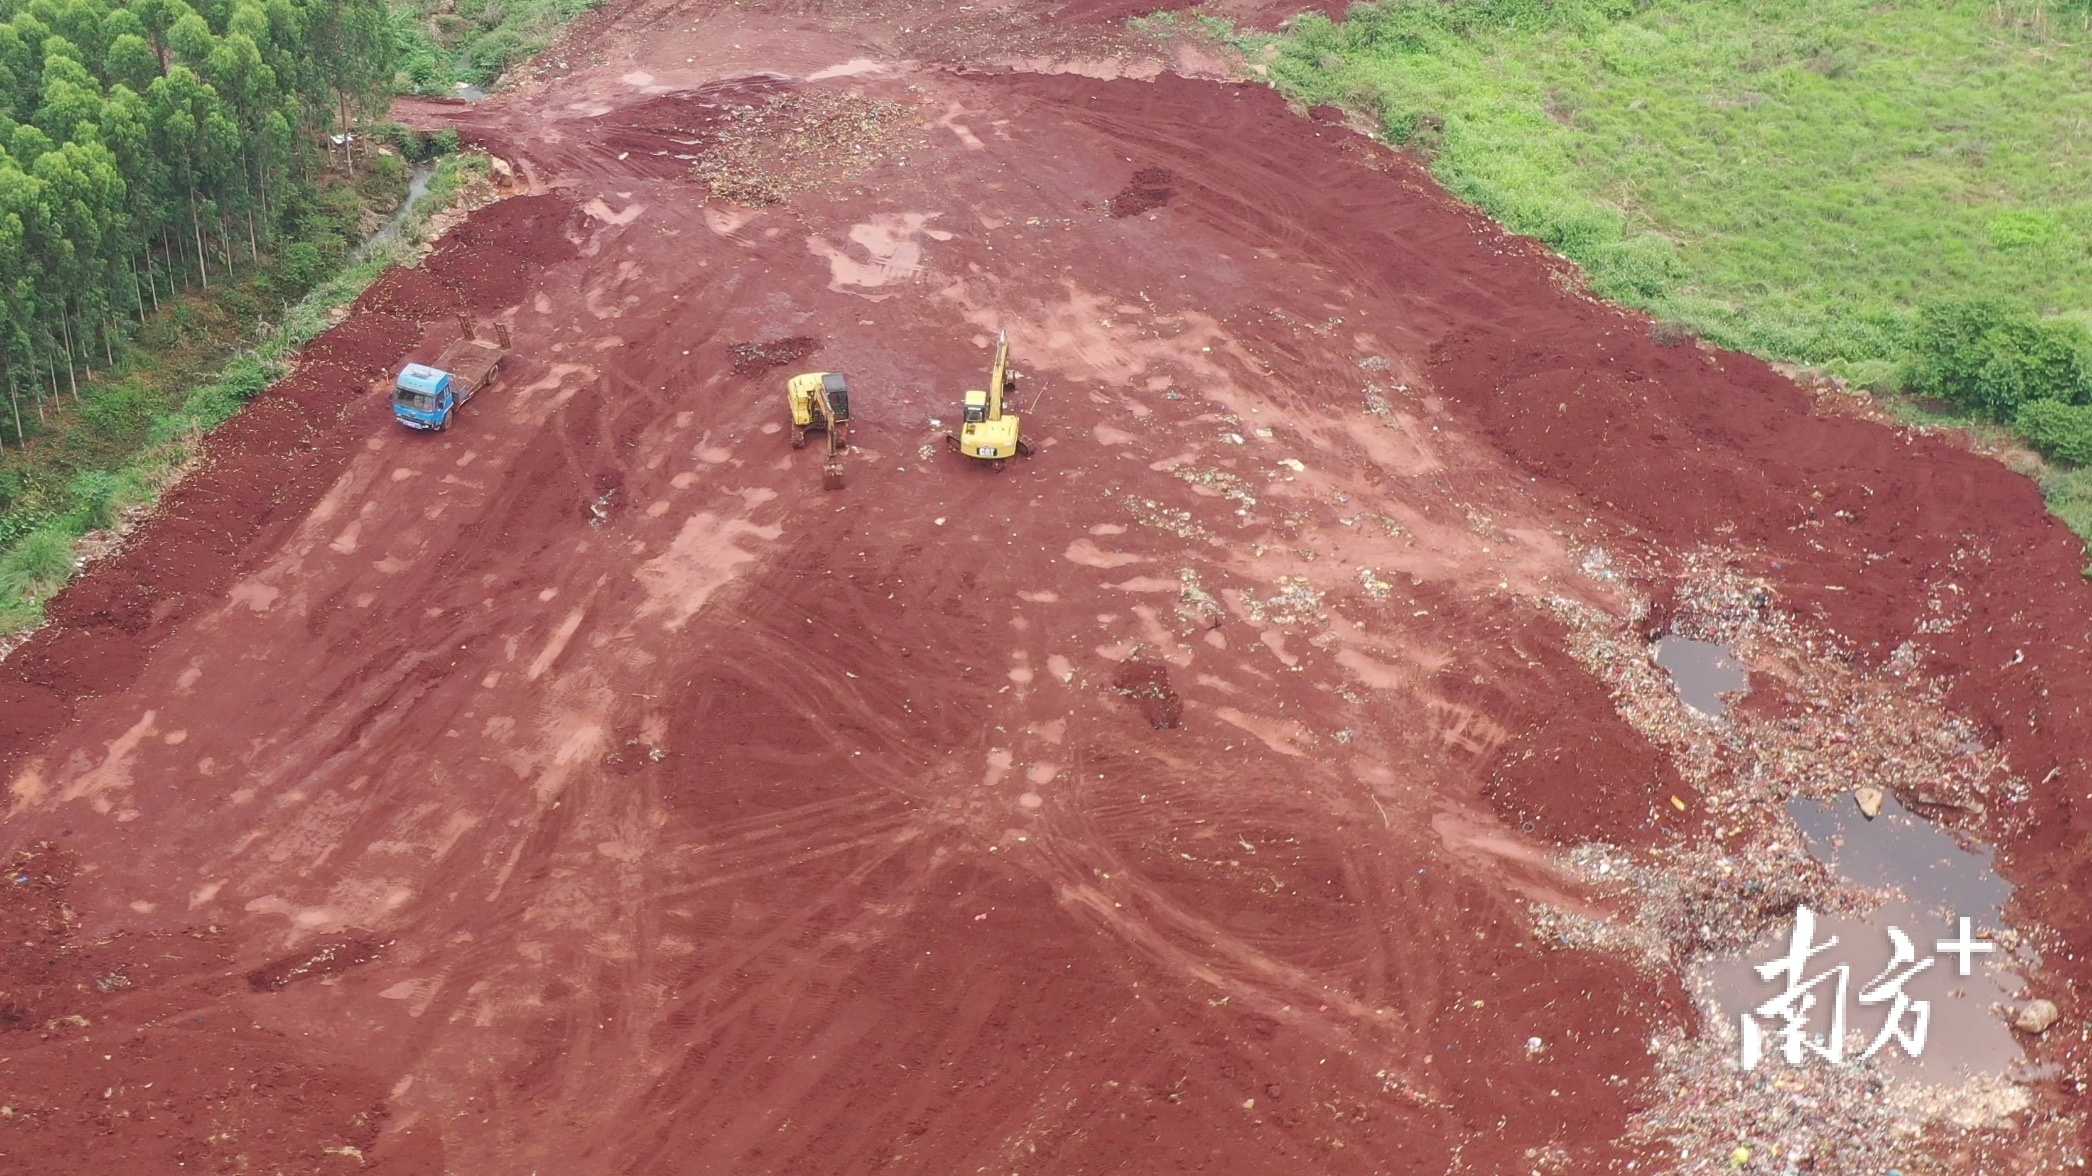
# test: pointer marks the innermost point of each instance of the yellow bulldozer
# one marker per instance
(986, 431)
(821, 400)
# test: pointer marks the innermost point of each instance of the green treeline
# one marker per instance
(146, 144)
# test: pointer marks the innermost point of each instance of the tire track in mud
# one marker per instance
(1855, 524)
(826, 844)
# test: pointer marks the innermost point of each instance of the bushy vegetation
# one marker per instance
(149, 144)
(442, 43)
(2060, 431)
(1988, 359)
(1900, 193)
(413, 144)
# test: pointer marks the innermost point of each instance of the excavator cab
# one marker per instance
(975, 408)
(838, 392)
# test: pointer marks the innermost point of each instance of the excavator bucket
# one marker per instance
(832, 476)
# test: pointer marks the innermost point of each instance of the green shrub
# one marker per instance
(18, 521)
(1989, 358)
(302, 266)
(207, 407)
(2060, 431)
(244, 378)
(490, 56)
(117, 412)
(38, 565)
(401, 138)
(94, 495)
(385, 183)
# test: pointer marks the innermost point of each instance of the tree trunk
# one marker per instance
(7, 371)
(250, 165)
(348, 145)
(72, 378)
(108, 352)
(196, 224)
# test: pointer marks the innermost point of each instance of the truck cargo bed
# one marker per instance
(471, 363)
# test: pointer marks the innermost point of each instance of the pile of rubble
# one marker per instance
(1833, 726)
(791, 142)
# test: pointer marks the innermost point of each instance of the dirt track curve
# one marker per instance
(583, 790)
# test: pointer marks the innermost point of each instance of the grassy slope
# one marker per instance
(93, 461)
(1786, 178)
(444, 42)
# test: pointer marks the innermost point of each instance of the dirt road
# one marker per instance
(583, 790)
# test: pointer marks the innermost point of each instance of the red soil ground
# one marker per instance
(584, 790)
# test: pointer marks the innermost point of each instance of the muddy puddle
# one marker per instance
(1703, 673)
(1937, 881)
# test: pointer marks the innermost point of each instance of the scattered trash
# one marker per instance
(787, 143)
(1838, 724)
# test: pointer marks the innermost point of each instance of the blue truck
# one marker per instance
(427, 396)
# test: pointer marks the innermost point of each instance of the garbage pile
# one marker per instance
(1830, 727)
(766, 152)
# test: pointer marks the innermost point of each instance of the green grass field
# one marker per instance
(1790, 179)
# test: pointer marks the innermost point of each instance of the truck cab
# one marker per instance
(424, 397)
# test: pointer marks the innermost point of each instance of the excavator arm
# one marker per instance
(999, 375)
(832, 472)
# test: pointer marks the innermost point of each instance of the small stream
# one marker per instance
(417, 189)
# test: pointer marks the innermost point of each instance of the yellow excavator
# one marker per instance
(821, 400)
(986, 431)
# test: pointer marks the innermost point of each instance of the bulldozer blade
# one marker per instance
(832, 476)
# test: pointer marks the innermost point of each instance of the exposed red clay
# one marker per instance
(585, 790)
